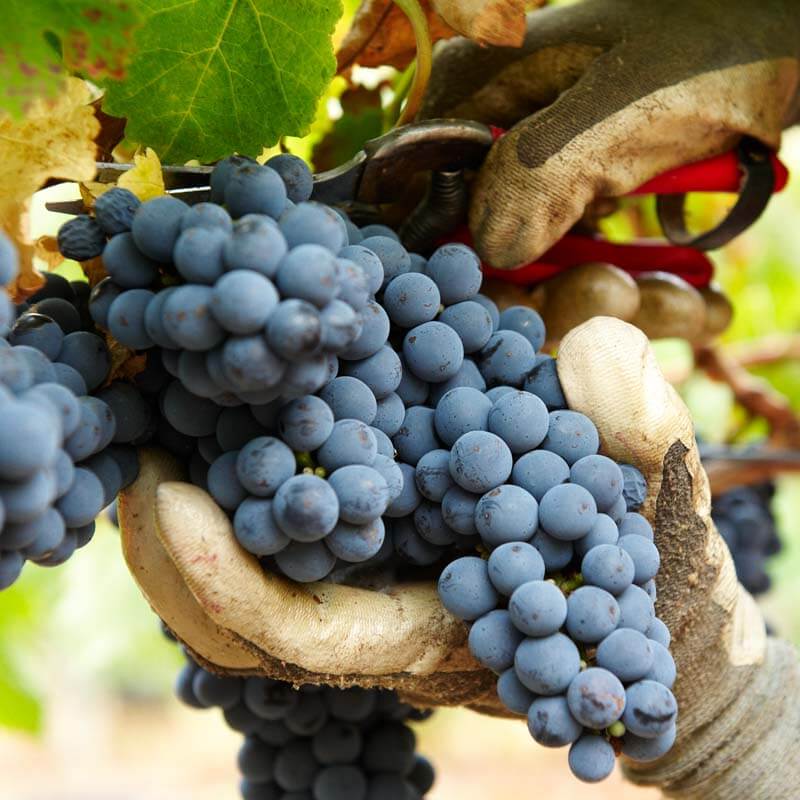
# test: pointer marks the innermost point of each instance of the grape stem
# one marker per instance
(422, 70)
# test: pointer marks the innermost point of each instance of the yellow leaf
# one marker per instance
(54, 140)
(91, 190)
(46, 248)
(145, 180)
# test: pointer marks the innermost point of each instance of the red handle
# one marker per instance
(716, 174)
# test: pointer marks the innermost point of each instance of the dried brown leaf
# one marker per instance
(46, 249)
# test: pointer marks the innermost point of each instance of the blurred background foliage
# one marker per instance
(84, 667)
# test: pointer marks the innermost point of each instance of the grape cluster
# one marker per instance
(744, 519)
(63, 431)
(315, 742)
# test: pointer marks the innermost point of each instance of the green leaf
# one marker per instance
(214, 76)
(39, 38)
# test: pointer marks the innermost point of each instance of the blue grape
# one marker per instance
(461, 410)
(641, 749)
(307, 376)
(257, 244)
(650, 709)
(295, 766)
(394, 257)
(188, 320)
(54, 286)
(353, 284)
(264, 464)
(411, 547)
(100, 300)
(471, 321)
(539, 471)
(468, 376)
(85, 439)
(465, 589)
(417, 435)
(62, 312)
(43, 371)
(422, 775)
(458, 510)
(633, 524)
(83, 501)
(306, 423)
(391, 473)
(609, 567)
(526, 321)
(250, 364)
(480, 461)
(542, 380)
(88, 354)
(294, 329)
(385, 446)
(377, 229)
(16, 374)
(356, 543)
(618, 510)
(308, 272)
(337, 743)
(411, 390)
(567, 511)
(254, 189)
(350, 442)
(308, 716)
(512, 694)
(433, 352)
(214, 690)
(295, 174)
(192, 416)
(198, 254)
(506, 359)
(341, 326)
(431, 526)
(126, 319)
(591, 758)
(11, 563)
(389, 414)
(644, 555)
(131, 411)
(659, 632)
(38, 331)
(362, 492)
(491, 307)
(340, 783)
(223, 481)
(306, 508)
(663, 670)
(21, 535)
(513, 564)
(550, 722)
(221, 174)
(114, 210)
(81, 238)
(548, 665)
(601, 477)
(41, 442)
(493, 640)
(592, 614)
(603, 531)
(314, 223)
(49, 536)
(650, 588)
(256, 529)
(255, 757)
(411, 299)
(236, 427)
(70, 378)
(409, 498)
(538, 608)
(381, 372)
(194, 375)
(62, 553)
(506, 514)
(571, 435)
(127, 266)
(596, 698)
(353, 233)
(634, 488)
(369, 263)
(520, 419)
(627, 653)
(433, 475)
(207, 215)
(305, 562)
(157, 225)
(456, 270)
(636, 609)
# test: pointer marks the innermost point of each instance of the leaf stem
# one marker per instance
(401, 87)
(422, 72)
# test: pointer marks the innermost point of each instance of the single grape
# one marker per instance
(381, 372)
(243, 300)
(650, 709)
(362, 492)
(431, 526)
(512, 694)
(506, 514)
(305, 562)
(295, 174)
(548, 665)
(506, 359)
(157, 226)
(256, 529)
(88, 354)
(353, 284)
(596, 698)
(513, 564)
(356, 543)
(520, 419)
(305, 423)
(635, 487)
(591, 758)
(369, 263)
(409, 497)
(314, 223)
(458, 510)
(254, 189)
(417, 435)
(433, 475)
(461, 410)
(633, 524)
(659, 632)
(592, 614)
(538, 608)
(627, 653)
(264, 464)
(526, 321)
(567, 511)
(480, 461)
(556, 553)
(601, 476)
(539, 471)
(663, 670)
(609, 567)
(223, 481)
(636, 609)
(206, 215)
(337, 743)
(257, 244)
(456, 270)
(641, 749)
(411, 299)
(468, 376)
(465, 589)
(83, 501)
(389, 414)
(81, 238)
(308, 272)
(295, 766)
(393, 255)
(542, 380)
(433, 351)
(38, 331)
(126, 317)
(493, 640)
(644, 554)
(471, 321)
(188, 320)
(551, 723)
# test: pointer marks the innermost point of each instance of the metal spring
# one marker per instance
(438, 213)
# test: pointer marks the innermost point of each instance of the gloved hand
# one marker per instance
(737, 723)
(606, 94)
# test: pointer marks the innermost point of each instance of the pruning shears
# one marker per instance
(448, 147)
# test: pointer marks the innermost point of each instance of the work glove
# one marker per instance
(736, 688)
(606, 94)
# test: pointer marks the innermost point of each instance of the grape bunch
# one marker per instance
(315, 742)
(64, 431)
(744, 519)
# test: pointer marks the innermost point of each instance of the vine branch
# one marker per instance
(422, 71)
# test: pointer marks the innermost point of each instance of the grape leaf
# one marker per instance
(39, 38)
(145, 180)
(212, 76)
